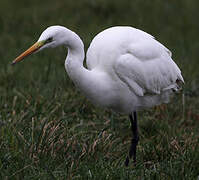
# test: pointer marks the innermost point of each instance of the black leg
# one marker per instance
(135, 138)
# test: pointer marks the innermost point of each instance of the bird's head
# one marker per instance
(52, 37)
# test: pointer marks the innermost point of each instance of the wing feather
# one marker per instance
(147, 68)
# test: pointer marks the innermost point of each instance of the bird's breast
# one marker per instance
(105, 91)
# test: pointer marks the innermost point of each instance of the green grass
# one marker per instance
(48, 130)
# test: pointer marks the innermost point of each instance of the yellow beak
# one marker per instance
(29, 51)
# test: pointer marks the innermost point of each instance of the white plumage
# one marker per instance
(128, 70)
(140, 72)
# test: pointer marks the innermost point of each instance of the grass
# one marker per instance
(48, 130)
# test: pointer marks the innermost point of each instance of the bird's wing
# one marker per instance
(147, 68)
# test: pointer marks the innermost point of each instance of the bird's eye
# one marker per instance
(49, 40)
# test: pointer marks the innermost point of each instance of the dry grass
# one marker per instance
(49, 131)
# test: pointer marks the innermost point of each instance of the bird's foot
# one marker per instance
(132, 151)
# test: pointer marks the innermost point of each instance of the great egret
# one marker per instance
(128, 70)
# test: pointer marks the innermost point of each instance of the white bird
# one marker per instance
(127, 69)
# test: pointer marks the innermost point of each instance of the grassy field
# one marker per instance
(48, 130)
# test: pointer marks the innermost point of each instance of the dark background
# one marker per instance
(48, 130)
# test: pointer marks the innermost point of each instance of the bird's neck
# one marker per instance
(74, 61)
